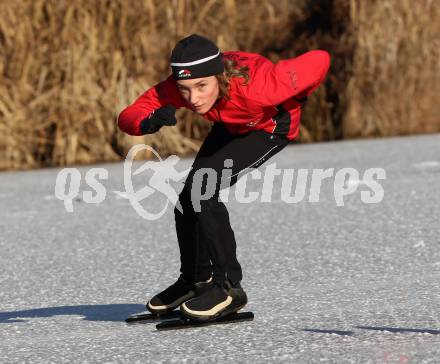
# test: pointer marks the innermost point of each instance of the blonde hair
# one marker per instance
(231, 70)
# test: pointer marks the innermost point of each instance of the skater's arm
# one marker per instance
(152, 110)
(297, 77)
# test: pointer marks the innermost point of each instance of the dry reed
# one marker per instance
(395, 83)
(68, 68)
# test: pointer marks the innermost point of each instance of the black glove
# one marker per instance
(160, 117)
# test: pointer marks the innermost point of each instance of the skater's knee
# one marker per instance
(184, 204)
(202, 185)
(210, 204)
(193, 200)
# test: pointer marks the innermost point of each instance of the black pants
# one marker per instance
(206, 240)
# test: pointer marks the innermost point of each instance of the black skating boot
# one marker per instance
(179, 292)
(217, 301)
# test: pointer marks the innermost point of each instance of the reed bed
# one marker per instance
(67, 68)
(395, 83)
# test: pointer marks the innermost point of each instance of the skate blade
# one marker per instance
(184, 322)
(144, 317)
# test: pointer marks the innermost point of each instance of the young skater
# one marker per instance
(255, 108)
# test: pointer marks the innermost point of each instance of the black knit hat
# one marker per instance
(194, 57)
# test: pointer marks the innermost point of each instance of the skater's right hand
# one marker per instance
(160, 117)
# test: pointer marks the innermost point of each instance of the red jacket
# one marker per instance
(262, 103)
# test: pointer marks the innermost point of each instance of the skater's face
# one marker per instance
(199, 93)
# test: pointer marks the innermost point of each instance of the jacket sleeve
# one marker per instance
(164, 93)
(297, 77)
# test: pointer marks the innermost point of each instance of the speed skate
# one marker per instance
(175, 320)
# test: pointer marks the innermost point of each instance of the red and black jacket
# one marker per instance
(270, 101)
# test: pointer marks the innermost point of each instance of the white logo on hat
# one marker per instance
(184, 73)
